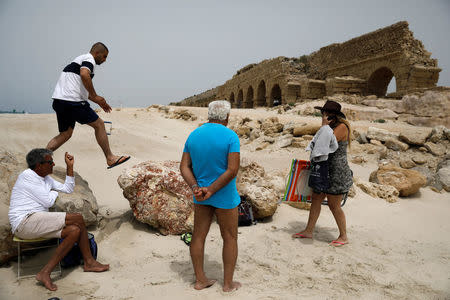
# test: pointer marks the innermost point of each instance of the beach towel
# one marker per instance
(297, 188)
(323, 143)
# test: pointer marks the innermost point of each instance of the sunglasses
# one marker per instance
(50, 162)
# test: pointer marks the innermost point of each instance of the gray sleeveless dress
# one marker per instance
(339, 172)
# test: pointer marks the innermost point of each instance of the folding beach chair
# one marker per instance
(40, 241)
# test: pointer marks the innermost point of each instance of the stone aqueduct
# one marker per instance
(364, 65)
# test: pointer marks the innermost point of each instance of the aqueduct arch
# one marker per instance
(249, 98)
(261, 94)
(275, 94)
(378, 82)
(363, 65)
(231, 99)
(240, 99)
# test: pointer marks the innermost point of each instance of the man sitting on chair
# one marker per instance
(33, 193)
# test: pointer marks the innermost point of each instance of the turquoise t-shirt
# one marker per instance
(209, 146)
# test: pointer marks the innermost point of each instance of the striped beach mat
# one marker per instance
(297, 188)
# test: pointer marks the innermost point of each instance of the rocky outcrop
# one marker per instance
(306, 129)
(261, 190)
(356, 113)
(386, 192)
(415, 136)
(183, 114)
(396, 106)
(271, 126)
(428, 109)
(81, 201)
(407, 182)
(159, 196)
(10, 167)
(443, 175)
(374, 133)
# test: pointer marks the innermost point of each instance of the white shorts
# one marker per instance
(41, 224)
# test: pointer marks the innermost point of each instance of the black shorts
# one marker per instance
(69, 112)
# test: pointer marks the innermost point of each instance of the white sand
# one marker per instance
(397, 250)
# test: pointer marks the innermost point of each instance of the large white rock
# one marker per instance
(260, 189)
(159, 196)
(431, 104)
(379, 134)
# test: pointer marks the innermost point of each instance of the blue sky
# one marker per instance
(164, 51)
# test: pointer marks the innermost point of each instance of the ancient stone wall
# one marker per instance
(364, 65)
(377, 57)
(261, 84)
(199, 100)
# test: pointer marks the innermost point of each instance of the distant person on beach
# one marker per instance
(340, 177)
(72, 91)
(32, 195)
(209, 164)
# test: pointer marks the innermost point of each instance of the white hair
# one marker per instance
(219, 110)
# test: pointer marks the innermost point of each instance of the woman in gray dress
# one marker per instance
(340, 176)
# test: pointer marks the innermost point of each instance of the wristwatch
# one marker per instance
(194, 186)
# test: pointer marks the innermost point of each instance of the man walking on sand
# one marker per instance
(33, 193)
(72, 91)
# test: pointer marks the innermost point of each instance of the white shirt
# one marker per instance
(32, 193)
(69, 86)
(323, 143)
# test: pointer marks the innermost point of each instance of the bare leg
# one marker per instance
(71, 235)
(314, 212)
(228, 222)
(60, 139)
(334, 203)
(202, 221)
(90, 264)
(102, 140)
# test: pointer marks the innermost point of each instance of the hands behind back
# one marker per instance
(202, 193)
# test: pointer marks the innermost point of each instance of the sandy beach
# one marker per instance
(397, 250)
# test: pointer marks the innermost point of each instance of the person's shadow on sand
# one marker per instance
(322, 234)
(213, 269)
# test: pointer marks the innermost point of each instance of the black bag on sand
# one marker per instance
(318, 178)
(245, 213)
(74, 257)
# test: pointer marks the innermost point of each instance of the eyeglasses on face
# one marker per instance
(50, 162)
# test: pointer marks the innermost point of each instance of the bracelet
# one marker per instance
(194, 186)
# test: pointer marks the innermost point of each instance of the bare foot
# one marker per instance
(233, 287)
(302, 235)
(95, 267)
(45, 279)
(200, 285)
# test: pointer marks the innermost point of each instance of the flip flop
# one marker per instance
(337, 244)
(298, 235)
(118, 162)
(187, 238)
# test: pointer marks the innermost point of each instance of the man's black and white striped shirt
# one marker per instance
(69, 86)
